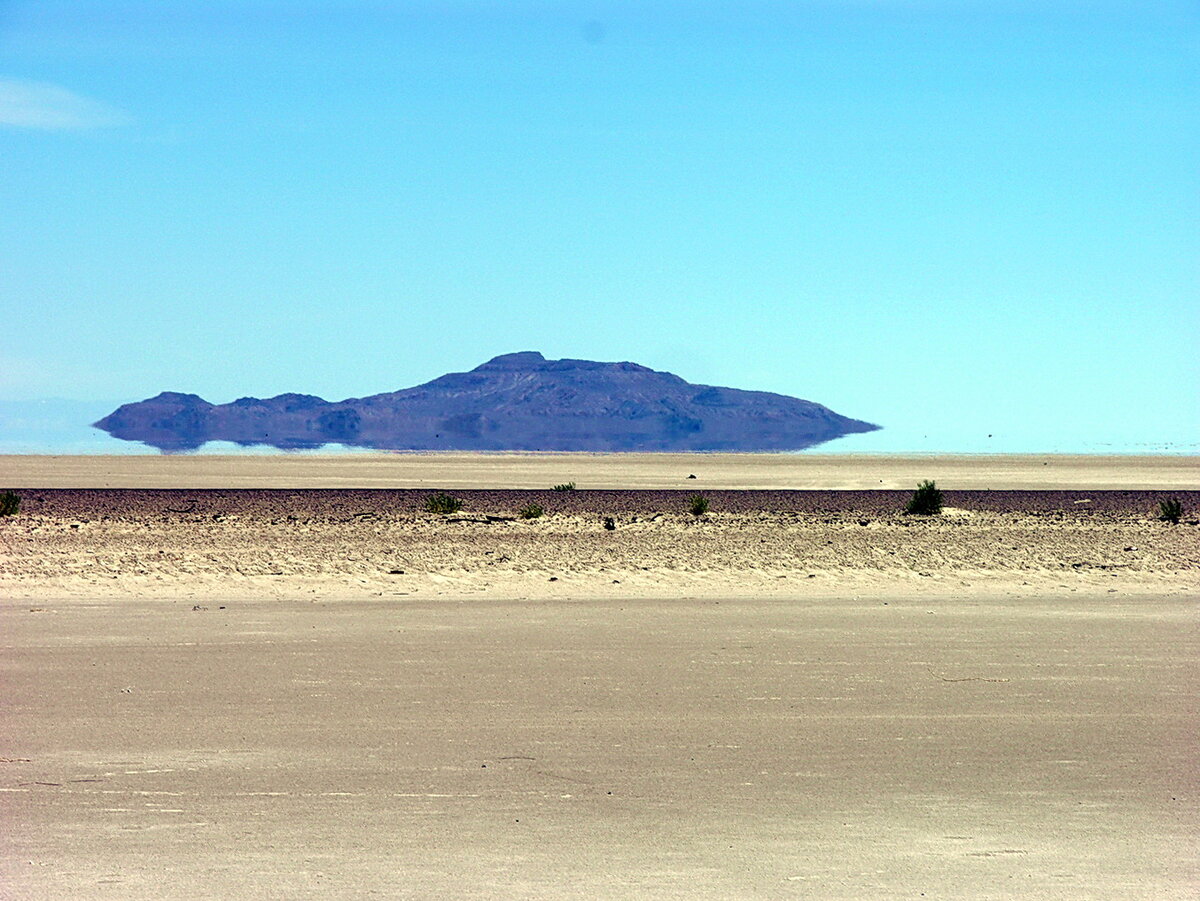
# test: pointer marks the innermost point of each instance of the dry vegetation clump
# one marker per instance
(10, 504)
(926, 500)
(442, 503)
(531, 511)
(1170, 510)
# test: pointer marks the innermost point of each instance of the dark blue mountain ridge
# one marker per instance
(518, 401)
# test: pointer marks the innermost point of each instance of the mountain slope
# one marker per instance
(519, 401)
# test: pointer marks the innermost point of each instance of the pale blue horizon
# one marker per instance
(973, 223)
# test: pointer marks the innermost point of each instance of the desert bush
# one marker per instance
(10, 504)
(530, 511)
(698, 505)
(565, 486)
(609, 524)
(926, 500)
(442, 503)
(1170, 510)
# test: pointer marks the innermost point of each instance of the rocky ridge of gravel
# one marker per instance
(98, 543)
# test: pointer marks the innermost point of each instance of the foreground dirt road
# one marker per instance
(1035, 747)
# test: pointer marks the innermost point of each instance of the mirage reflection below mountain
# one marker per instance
(517, 402)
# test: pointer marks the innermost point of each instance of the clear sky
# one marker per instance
(955, 219)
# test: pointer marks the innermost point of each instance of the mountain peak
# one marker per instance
(517, 401)
(524, 359)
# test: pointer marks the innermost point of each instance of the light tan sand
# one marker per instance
(619, 471)
(414, 555)
(255, 704)
(890, 748)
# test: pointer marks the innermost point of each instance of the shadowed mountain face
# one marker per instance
(518, 401)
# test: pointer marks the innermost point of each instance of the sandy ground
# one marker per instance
(301, 544)
(287, 544)
(331, 693)
(614, 471)
(892, 747)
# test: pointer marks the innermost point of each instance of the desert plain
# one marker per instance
(280, 677)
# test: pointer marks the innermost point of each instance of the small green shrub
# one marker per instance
(530, 511)
(609, 524)
(698, 505)
(442, 503)
(565, 486)
(1170, 510)
(10, 504)
(926, 500)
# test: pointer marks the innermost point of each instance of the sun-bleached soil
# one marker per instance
(355, 543)
(947, 747)
(308, 692)
(613, 471)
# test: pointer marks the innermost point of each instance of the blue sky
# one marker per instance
(956, 219)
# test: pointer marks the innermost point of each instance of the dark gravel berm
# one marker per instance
(337, 503)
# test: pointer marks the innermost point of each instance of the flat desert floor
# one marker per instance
(314, 688)
(606, 471)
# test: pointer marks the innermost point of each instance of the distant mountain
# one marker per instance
(519, 401)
